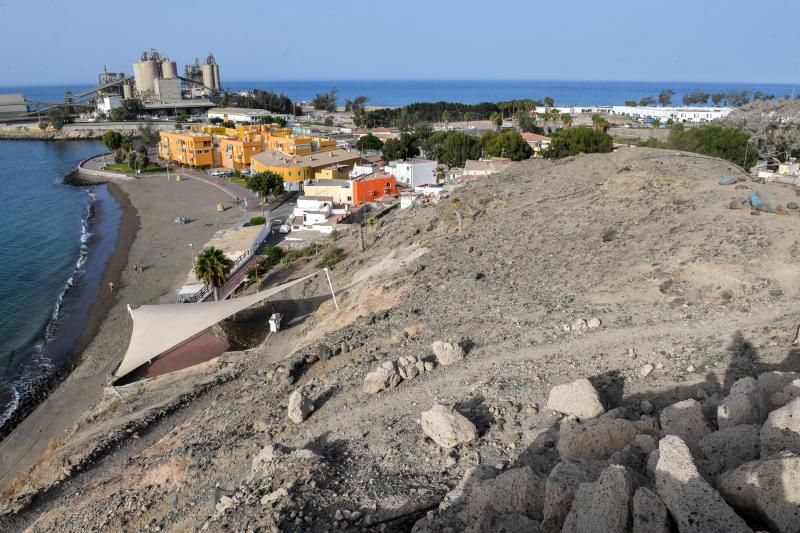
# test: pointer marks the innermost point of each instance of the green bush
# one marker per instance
(574, 141)
(272, 256)
(257, 221)
(714, 140)
(332, 255)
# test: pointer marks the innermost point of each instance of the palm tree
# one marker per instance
(440, 174)
(445, 119)
(212, 268)
(600, 123)
(566, 120)
(497, 120)
(467, 118)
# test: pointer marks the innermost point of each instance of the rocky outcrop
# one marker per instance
(596, 439)
(300, 406)
(649, 512)
(447, 353)
(517, 491)
(781, 431)
(686, 420)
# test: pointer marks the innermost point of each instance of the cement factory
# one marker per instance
(155, 83)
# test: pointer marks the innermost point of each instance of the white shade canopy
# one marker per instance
(158, 328)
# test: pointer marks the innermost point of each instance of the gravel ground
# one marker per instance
(689, 295)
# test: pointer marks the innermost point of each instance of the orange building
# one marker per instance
(373, 187)
(188, 148)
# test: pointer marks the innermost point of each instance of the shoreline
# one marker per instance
(146, 235)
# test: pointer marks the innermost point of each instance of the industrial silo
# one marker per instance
(145, 72)
(217, 83)
(127, 93)
(208, 76)
(169, 69)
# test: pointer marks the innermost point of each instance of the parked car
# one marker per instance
(285, 228)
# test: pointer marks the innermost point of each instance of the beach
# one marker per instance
(149, 236)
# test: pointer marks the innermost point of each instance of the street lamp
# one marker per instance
(191, 247)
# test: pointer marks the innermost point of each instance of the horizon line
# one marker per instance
(438, 80)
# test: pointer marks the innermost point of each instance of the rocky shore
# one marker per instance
(73, 132)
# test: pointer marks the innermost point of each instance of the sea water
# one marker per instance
(54, 241)
(402, 92)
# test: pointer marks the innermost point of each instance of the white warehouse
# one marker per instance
(677, 114)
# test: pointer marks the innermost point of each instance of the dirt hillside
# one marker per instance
(636, 270)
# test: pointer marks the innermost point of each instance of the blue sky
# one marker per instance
(678, 40)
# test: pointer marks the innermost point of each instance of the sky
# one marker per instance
(58, 42)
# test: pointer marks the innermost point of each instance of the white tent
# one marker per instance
(158, 328)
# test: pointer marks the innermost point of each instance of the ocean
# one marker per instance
(53, 248)
(397, 93)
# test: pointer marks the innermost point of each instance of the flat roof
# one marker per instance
(235, 239)
(177, 103)
(274, 158)
(239, 111)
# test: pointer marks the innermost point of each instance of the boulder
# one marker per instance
(324, 352)
(769, 487)
(518, 490)
(781, 431)
(377, 380)
(743, 405)
(649, 512)
(300, 406)
(771, 382)
(446, 427)
(694, 504)
(578, 398)
(685, 419)
(595, 439)
(602, 505)
(786, 394)
(264, 458)
(728, 448)
(504, 523)
(447, 353)
(560, 489)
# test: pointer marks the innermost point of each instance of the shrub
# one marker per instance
(576, 141)
(332, 255)
(257, 221)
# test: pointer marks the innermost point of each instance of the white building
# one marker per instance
(238, 114)
(677, 114)
(315, 213)
(363, 169)
(107, 103)
(413, 173)
(484, 167)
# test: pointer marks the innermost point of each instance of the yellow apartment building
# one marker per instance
(296, 169)
(190, 148)
(291, 145)
(236, 154)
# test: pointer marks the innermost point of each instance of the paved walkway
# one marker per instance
(250, 202)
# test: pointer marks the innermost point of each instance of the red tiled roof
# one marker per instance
(534, 137)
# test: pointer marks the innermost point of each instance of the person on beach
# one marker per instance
(110, 286)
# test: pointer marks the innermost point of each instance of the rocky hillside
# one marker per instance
(565, 344)
(776, 121)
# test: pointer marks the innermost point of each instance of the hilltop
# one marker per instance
(636, 270)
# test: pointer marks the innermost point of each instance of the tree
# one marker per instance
(575, 141)
(422, 130)
(600, 122)
(368, 142)
(265, 183)
(57, 116)
(445, 119)
(737, 98)
(359, 103)
(717, 98)
(133, 159)
(212, 267)
(647, 101)
(215, 120)
(526, 123)
(549, 102)
(399, 149)
(566, 120)
(182, 117)
(665, 97)
(325, 101)
(120, 154)
(112, 139)
(695, 97)
(631, 103)
(508, 144)
(143, 160)
(147, 135)
(656, 124)
(328, 121)
(467, 118)
(440, 174)
(714, 140)
(497, 120)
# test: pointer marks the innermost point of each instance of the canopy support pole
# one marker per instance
(327, 274)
